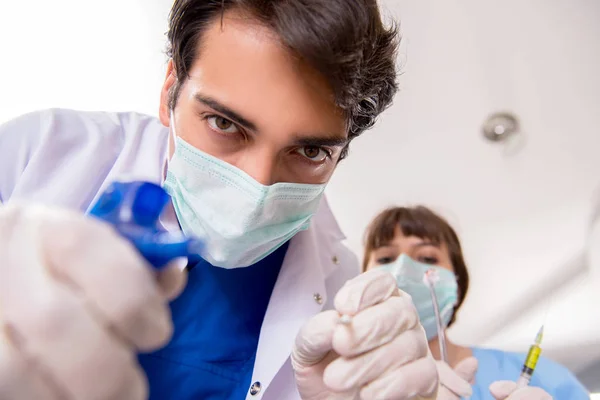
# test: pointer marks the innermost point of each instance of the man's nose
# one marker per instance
(260, 164)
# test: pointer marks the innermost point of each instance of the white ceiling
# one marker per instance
(522, 214)
(522, 211)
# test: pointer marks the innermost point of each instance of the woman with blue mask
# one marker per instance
(408, 242)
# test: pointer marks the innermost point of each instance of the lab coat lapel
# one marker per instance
(299, 294)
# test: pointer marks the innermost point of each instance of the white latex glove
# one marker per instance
(381, 354)
(456, 383)
(76, 304)
(507, 390)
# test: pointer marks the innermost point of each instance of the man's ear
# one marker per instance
(164, 110)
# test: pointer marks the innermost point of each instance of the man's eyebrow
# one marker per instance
(226, 111)
(318, 141)
(328, 140)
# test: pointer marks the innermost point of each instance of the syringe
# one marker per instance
(531, 361)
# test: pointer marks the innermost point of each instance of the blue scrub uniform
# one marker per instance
(217, 325)
(496, 365)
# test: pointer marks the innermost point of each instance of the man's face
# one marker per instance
(249, 102)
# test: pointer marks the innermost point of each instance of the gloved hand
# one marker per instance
(381, 354)
(456, 383)
(76, 304)
(507, 390)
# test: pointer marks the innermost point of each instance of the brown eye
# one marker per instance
(222, 124)
(313, 153)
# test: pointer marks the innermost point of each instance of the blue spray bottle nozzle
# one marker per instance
(134, 209)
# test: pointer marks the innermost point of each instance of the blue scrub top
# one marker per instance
(217, 323)
(496, 365)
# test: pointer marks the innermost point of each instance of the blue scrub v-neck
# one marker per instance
(217, 323)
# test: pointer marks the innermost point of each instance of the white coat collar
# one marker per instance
(329, 235)
(299, 293)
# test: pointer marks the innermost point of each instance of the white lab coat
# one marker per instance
(66, 158)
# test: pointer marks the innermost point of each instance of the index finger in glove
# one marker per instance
(467, 369)
(17, 380)
(344, 374)
(376, 326)
(56, 334)
(106, 270)
(507, 390)
(416, 380)
(172, 278)
(452, 379)
(366, 290)
(314, 340)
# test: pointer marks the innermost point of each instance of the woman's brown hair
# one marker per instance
(418, 221)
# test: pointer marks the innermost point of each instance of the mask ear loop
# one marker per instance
(172, 134)
(430, 278)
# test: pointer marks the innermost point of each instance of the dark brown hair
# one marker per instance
(419, 221)
(344, 40)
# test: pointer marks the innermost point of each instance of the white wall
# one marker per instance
(78, 54)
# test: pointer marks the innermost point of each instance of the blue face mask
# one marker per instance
(410, 275)
(240, 220)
